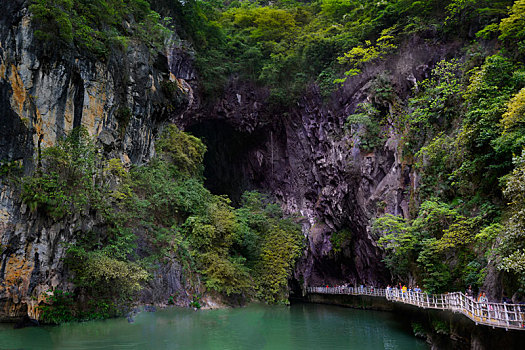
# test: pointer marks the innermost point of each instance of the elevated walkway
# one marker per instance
(507, 316)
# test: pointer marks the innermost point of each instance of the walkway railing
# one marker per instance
(508, 316)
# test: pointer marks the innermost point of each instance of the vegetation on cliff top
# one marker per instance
(287, 44)
(284, 45)
(98, 26)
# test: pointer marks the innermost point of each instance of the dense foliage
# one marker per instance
(287, 44)
(98, 26)
(284, 44)
(248, 252)
(462, 128)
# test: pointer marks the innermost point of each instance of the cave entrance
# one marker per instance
(230, 163)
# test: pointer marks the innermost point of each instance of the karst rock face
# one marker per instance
(44, 94)
(304, 156)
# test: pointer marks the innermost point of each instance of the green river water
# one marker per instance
(300, 326)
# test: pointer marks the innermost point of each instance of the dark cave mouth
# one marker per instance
(238, 161)
(230, 162)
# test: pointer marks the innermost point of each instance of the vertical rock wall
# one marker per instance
(122, 103)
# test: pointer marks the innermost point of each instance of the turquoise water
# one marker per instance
(301, 326)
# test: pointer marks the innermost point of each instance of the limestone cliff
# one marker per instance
(122, 102)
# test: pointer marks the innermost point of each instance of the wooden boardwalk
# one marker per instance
(508, 316)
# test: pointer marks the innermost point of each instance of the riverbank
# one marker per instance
(442, 329)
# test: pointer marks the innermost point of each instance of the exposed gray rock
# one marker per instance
(123, 102)
(167, 281)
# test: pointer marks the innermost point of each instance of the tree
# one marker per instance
(513, 27)
(512, 246)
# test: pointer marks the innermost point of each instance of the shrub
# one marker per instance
(224, 274)
(58, 307)
(65, 182)
(340, 240)
(365, 126)
(102, 276)
(184, 151)
(279, 251)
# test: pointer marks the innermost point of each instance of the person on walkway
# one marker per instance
(483, 300)
(505, 299)
(469, 292)
(417, 289)
(404, 289)
(522, 313)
